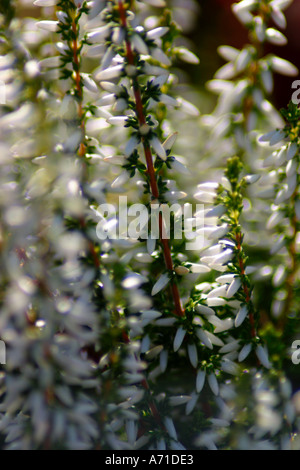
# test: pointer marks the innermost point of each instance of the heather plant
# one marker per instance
(149, 282)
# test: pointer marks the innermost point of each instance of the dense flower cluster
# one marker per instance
(136, 342)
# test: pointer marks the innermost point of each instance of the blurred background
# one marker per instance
(212, 24)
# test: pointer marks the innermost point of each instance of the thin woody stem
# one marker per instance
(78, 86)
(150, 168)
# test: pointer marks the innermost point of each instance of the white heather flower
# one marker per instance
(109, 73)
(242, 314)
(215, 302)
(242, 14)
(231, 346)
(234, 287)
(170, 141)
(118, 120)
(226, 278)
(168, 100)
(150, 314)
(229, 366)
(277, 137)
(180, 168)
(283, 66)
(32, 69)
(118, 36)
(218, 292)
(204, 338)
(130, 70)
(160, 284)
(251, 179)
(160, 56)
(121, 180)
(218, 232)
(189, 108)
(163, 360)
(259, 28)
(168, 422)
(219, 86)
(151, 245)
(275, 37)
(204, 310)
(156, 3)
(45, 3)
(161, 445)
(244, 352)
(131, 431)
(152, 353)
(213, 383)
(267, 80)
(99, 34)
(179, 400)
(279, 276)
(89, 83)
(247, 5)
(155, 70)
(200, 380)
(280, 242)
(205, 196)
(139, 45)
(48, 25)
(131, 145)
(228, 52)
(291, 168)
(216, 211)
(158, 148)
(222, 258)
(50, 62)
(95, 51)
(181, 270)
(157, 32)
(175, 445)
(199, 268)
(111, 87)
(262, 354)
(178, 339)
(281, 4)
(193, 355)
(145, 344)
(214, 339)
(278, 17)
(191, 404)
(186, 55)
(242, 60)
(292, 150)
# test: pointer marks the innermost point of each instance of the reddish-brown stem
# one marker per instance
(82, 149)
(150, 167)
